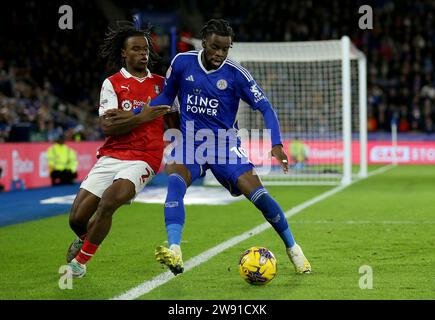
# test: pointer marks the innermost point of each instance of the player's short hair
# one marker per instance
(219, 27)
(116, 38)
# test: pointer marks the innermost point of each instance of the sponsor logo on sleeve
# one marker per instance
(257, 93)
(168, 73)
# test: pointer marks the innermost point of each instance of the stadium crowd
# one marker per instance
(50, 78)
(399, 49)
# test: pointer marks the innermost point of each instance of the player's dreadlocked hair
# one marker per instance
(219, 27)
(115, 40)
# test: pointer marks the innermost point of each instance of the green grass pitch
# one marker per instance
(386, 222)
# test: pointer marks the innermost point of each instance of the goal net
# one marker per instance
(318, 90)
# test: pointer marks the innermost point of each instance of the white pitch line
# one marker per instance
(162, 278)
(364, 222)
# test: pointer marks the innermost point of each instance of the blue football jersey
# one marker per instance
(209, 98)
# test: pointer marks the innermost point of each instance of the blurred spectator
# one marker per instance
(404, 125)
(2, 187)
(62, 163)
(372, 122)
(298, 153)
(5, 123)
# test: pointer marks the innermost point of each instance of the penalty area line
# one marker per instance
(162, 278)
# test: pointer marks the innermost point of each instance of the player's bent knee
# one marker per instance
(75, 222)
(75, 217)
(107, 207)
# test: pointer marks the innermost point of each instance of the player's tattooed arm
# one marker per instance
(117, 122)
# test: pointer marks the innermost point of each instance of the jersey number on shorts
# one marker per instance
(145, 176)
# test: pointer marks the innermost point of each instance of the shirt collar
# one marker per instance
(202, 66)
(127, 74)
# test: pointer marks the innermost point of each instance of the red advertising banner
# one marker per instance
(28, 162)
(378, 152)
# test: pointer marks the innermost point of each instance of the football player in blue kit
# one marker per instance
(209, 86)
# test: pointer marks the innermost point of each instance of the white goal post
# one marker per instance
(319, 92)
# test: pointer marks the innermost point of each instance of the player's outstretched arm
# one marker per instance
(272, 123)
(252, 94)
(118, 122)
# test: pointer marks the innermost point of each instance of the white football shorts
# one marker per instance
(108, 169)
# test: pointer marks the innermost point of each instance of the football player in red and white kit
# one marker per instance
(132, 152)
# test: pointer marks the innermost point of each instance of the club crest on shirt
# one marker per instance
(156, 89)
(222, 84)
(126, 105)
(196, 91)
